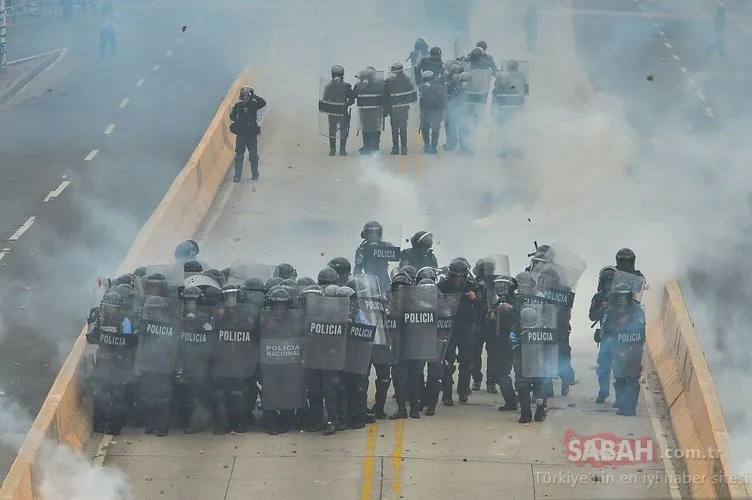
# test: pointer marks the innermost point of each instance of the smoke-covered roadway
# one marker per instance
(87, 152)
(696, 110)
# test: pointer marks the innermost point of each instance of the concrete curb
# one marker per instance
(65, 416)
(45, 61)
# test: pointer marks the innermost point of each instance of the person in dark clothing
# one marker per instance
(244, 117)
(598, 307)
(432, 63)
(420, 51)
(420, 254)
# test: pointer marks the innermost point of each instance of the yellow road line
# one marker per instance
(368, 463)
(418, 153)
(399, 430)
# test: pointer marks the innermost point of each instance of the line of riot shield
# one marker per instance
(520, 76)
(539, 343)
(629, 342)
(389, 354)
(326, 320)
(174, 274)
(359, 343)
(420, 327)
(446, 308)
(494, 265)
(237, 351)
(245, 269)
(371, 302)
(197, 341)
(282, 346)
(158, 334)
(333, 112)
(370, 102)
(633, 282)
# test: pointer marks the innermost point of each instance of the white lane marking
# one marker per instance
(4, 252)
(700, 96)
(691, 80)
(91, 155)
(655, 24)
(676, 57)
(179, 40)
(124, 103)
(684, 70)
(661, 33)
(168, 54)
(57, 192)
(21, 230)
(668, 45)
(155, 68)
(200, 20)
(709, 112)
(140, 82)
(109, 129)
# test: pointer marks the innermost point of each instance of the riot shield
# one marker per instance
(173, 272)
(96, 302)
(539, 343)
(371, 302)
(158, 334)
(634, 282)
(386, 250)
(197, 340)
(629, 341)
(326, 320)
(477, 92)
(569, 267)
(236, 354)
(420, 326)
(244, 269)
(360, 335)
(332, 109)
(202, 281)
(494, 265)
(447, 304)
(282, 347)
(520, 76)
(370, 102)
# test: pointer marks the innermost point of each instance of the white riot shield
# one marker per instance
(370, 102)
(244, 269)
(446, 307)
(629, 342)
(493, 265)
(520, 76)
(539, 343)
(568, 264)
(325, 328)
(420, 324)
(174, 274)
(634, 282)
(371, 301)
(334, 118)
(479, 86)
(282, 347)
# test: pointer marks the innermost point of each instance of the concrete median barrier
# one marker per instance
(695, 411)
(65, 416)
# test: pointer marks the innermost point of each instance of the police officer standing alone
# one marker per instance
(337, 97)
(244, 117)
(400, 94)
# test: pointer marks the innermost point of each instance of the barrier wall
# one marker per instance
(695, 411)
(65, 416)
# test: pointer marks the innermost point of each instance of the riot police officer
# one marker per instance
(285, 271)
(485, 327)
(343, 269)
(370, 94)
(504, 316)
(454, 99)
(111, 330)
(433, 99)
(365, 260)
(550, 278)
(487, 59)
(337, 97)
(400, 94)
(462, 342)
(420, 254)
(432, 63)
(530, 383)
(244, 116)
(598, 307)
(479, 60)
(625, 261)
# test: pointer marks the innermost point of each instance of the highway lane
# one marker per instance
(85, 227)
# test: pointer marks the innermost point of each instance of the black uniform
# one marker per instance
(338, 96)
(433, 101)
(418, 258)
(244, 116)
(400, 93)
(501, 356)
(462, 342)
(431, 63)
(370, 97)
(197, 339)
(455, 94)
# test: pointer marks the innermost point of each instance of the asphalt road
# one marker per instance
(142, 112)
(619, 50)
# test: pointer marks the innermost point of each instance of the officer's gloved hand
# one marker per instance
(597, 336)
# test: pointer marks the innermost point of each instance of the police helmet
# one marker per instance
(427, 75)
(549, 277)
(512, 66)
(272, 282)
(621, 295)
(525, 279)
(456, 68)
(459, 268)
(216, 275)
(435, 52)
(285, 271)
(127, 279)
(279, 294)
(313, 290)
(372, 231)
(253, 285)
(482, 45)
(422, 239)
(192, 293)
(426, 282)
(155, 304)
(542, 255)
(211, 297)
(287, 282)
(125, 291)
(476, 53)
(465, 76)
(528, 318)
(305, 281)
(420, 45)
(625, 259)
(193, 266)
(331, 291)
(345, 291)
(338, 71)
(504, 285)
(401, 280)
(231, 294)
(426, 273)
(112, 299)
(607, 274)
(327, 276)
(410, 271)
(484, 267)
(156, 284)
(140, 272)
(341, 265)
(246, 92)
(185, 250)
(396, 67)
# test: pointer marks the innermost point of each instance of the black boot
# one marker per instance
(395, 142)
(540, 413)
(400, 414)
(414, 412)
(343, 146)
(491, 387)
(433, 388)
(425, 132)
(434, 141)
(403, 140)
(332, 146)
(526, 414)
(330, 428)
(382, 387)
